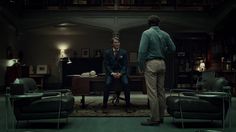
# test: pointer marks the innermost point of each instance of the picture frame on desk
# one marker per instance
(85, 52)
(42, 69)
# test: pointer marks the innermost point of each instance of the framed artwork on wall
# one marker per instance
(85, 52)
(42, 69)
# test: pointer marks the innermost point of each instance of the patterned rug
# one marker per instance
(114, 110)
(93, 108)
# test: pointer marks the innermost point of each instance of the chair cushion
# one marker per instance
(50, 104)
(191, 104)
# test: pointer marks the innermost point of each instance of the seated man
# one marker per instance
(115, 63)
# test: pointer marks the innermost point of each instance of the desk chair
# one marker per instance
(117, 89)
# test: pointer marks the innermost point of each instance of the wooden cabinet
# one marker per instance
(40, 79)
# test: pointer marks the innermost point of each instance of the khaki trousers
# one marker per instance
(154, 77)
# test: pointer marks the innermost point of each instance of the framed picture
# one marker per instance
(42, 69)
(85, 52)
(133, 57)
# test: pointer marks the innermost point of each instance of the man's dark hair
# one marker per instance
(153, 20)
(115, 38)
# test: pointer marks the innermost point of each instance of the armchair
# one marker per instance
(33, 105)
(212, 103)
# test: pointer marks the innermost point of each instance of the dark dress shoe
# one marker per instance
(150, 123)
(161, 120)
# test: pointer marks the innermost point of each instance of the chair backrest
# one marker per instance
(219, 84)
(17, 89)
(28, 83)
(215, 84)
(206, 77)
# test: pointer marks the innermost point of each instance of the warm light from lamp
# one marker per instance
(201, 66)
(11, 62)
(69, 61)
(62, 47)
(62, 53)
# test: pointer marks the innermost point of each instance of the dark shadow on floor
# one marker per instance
(198, 124)
(40, 125)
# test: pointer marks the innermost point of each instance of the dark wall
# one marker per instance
(8, 39)
(40, 45)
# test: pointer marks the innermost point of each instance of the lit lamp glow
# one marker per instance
(62, 53)
(62, 47)
(201, 66)
(69, 61)
(11, 62)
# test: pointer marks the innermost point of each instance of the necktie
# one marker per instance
(116, 54)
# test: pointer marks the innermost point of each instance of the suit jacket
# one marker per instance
(114, 63)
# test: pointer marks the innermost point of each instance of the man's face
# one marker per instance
(116, 44)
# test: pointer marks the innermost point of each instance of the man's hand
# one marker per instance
(116, 75)
(140, 70)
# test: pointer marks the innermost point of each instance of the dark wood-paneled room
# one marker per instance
(60, 43)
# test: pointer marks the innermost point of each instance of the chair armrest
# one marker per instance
(51, 93)
(59, 90)
(187, 92)
(227, 89)
(27, 96)
(213, 94)
(182, 90)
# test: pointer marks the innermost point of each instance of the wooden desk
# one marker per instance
(83, 85)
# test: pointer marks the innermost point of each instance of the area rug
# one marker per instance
(113, 110)
(94, 109)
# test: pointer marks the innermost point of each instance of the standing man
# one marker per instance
(115, 63)
(155, 44)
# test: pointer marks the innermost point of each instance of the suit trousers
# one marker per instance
(108, 87)
(154, 77)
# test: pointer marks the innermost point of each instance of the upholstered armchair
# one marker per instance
(33, 105)
(212, 103)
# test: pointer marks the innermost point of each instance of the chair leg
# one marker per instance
(58, 123)
(67, 120)
(59, 112)
(181, 113)
(16, 126)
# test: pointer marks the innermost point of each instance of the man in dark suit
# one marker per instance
(115, 63)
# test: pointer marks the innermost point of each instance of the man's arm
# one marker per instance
(142, 51)
(124, 65)
(171, 46)
(106, 63)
